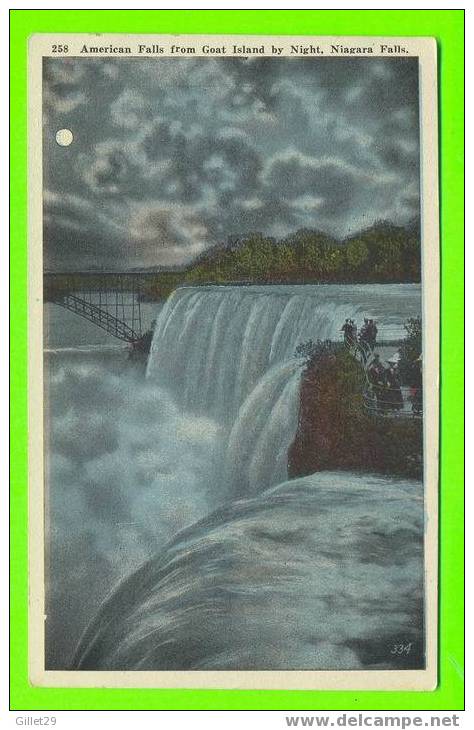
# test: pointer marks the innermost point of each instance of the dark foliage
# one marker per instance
(336, 432)
(382, 253)
(311, 351)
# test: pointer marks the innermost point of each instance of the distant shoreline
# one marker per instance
(152, 297)
(157, 287)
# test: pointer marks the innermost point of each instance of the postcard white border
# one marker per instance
(40, 46)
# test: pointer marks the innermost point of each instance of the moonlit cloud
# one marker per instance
(171, 156)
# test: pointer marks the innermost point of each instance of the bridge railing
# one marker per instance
(111, 302)
(100, 317)
(392, 402)
(383, 400)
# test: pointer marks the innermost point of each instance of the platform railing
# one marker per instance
(382, 400)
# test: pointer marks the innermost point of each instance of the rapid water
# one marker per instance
(228, 353)
(213, 344)
(131, 462)
(324, 572)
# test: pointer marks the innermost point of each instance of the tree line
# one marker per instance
(381, 253)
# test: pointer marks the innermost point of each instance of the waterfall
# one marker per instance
(181, 470)
(228, 353)
(257, 452)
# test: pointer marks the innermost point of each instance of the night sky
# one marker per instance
(171, 156)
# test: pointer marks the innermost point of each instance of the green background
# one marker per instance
(447, 26)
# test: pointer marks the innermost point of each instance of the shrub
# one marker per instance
(311, 351)
(334, 429)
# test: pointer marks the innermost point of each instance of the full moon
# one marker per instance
(64, 137)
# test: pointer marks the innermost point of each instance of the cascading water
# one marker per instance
(133, 462)
(228, 353)
(324, 572)
(257, 452)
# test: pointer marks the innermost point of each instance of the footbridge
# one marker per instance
(110, 300)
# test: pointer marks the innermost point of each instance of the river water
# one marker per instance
(133, 458)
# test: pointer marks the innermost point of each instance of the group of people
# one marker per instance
(385, 382)
(384, 379)
(367, 334)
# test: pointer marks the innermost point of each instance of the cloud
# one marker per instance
(217, 147)
(141, 234)
(62, 86)
(295, 175)
(129, 109)
(77, 233)
(111, 170)
(327, 187)
(178, 231)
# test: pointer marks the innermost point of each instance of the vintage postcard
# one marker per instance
(233, 353)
